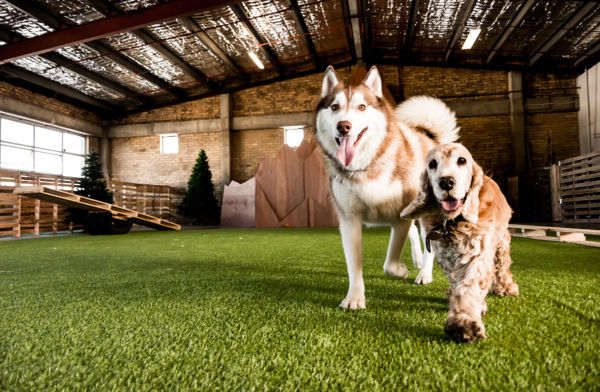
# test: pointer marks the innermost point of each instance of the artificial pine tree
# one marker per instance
(199, 202)
(93, 184)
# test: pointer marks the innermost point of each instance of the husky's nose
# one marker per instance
(446, 183)
(344, 127)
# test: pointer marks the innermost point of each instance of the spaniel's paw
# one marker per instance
(464, 329)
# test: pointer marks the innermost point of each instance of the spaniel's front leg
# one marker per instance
(467, 301)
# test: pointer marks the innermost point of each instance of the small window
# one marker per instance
(17, 132)
(169, 144)
(293, 136)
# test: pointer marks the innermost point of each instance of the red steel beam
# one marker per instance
(105, 27)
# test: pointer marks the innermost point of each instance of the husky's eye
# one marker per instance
(335, 107)
(461, 161)
(362, 107)
(433, 164)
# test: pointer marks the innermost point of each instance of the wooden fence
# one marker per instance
(575, 187)
(23, 215)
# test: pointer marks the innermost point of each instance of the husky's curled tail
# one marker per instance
(431, 116)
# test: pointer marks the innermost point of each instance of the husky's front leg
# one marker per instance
(392, 265)
(351, 231)
(425, 275)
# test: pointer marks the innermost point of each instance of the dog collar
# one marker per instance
(442, 230)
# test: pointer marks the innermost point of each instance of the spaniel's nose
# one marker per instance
(446, 183)
(344, 127)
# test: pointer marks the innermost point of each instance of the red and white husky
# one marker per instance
(375, 157)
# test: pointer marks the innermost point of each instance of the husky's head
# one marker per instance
(352, 122)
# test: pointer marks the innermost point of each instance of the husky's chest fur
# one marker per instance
(380, 191)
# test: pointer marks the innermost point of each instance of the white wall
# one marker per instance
(588, 85)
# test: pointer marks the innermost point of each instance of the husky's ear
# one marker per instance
(373, 82)
(471, 205)
(424, 203)
(330, 80)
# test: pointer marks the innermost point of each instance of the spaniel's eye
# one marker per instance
(335, 107)
(362, 107)
(433, 164)
(461, 161)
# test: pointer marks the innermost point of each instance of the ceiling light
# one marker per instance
(256, 60)
(473, 34)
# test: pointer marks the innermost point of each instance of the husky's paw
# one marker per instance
(396, 270)
(464, 330)
(416, 258)
(424, 277)
(354, 303)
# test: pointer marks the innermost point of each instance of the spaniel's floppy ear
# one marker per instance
(423, 204)
(471, 205)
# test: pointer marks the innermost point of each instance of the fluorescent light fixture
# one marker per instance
(473, 34)
(256, 60)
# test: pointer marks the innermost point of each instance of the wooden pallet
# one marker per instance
(563, 234)
(72, 200)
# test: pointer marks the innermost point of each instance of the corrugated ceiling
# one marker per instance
(208, 52)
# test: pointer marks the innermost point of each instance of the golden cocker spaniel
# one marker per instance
(466, 217)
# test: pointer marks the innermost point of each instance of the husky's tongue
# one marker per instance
(345, 151)
(450, 205)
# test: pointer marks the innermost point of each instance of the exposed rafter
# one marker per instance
(365, 29)
(239, 13)
(514, 23)
(105, 27)
(148, 38)
(55, 87)
(411, 27)
(82, 71)
(301, 26)
(193, 27)
(564, 29)
(348, 28)
(33, 10)
(460, 26)
(591, 52)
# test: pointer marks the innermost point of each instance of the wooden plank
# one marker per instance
(70, 199)
(571, 237)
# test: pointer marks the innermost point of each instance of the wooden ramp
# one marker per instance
(562, 234)
(72, 200)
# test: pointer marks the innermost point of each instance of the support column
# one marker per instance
(225, 123)
(517, 122)
(105, 153)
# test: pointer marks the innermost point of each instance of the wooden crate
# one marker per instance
(579, 189)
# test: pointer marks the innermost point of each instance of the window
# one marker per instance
(27, 146)
(293, 136)
(169, 144)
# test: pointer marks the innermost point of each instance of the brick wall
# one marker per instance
(551, 137)
(248, 148)
(47, 103)
(139, 159)
(206, 108)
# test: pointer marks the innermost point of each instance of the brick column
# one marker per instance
(517, 122)
(225, 123)
(105, 153)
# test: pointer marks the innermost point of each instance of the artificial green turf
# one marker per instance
(257, 310)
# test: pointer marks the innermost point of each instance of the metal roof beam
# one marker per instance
(588, 53)
(271, 55)
(412, 22)
(301, 26)
(515, 22)
(193, 27)
(348, 28)
(38, 80)
(105, 27)
(564, 29)
(31, 9)
(148, 38)
(460, 26)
